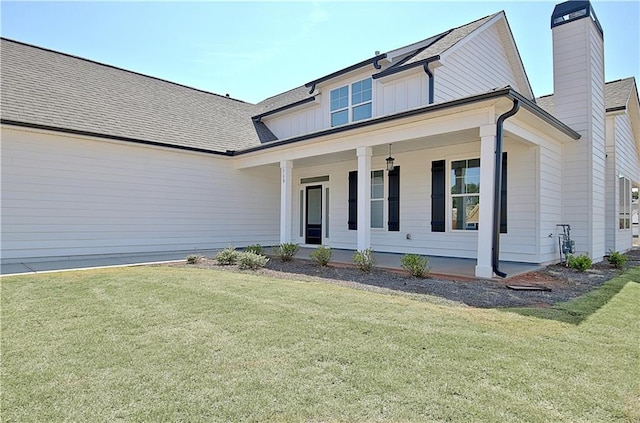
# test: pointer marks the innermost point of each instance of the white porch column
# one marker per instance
(364, 197)
(484, 269)
(286, 195)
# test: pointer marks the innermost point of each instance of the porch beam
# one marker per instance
(364, 197)
(369, 136)
(484, 268)
(286, 196)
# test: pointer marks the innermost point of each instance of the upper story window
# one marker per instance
(351, 102)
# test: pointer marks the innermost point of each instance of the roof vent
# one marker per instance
(377, 53)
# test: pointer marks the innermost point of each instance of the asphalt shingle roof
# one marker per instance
(44, 87)
(435, 45)
(449, 40)
(616, 95)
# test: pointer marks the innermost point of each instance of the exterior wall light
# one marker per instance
(390, 160)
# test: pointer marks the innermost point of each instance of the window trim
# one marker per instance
(451, 196)
(382, 199)
(350, 107)
(624, 203)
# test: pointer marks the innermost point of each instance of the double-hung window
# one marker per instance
(377, 199)
(625, 203)
(351, 103)
(465, 194)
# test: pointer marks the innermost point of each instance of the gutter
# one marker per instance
(497, 188)
(111, 137)
(259, 117)
(425, 65)
(507, 92)
(374, 60)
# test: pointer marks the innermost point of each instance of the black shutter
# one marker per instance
(353, 200)
(394, 199)
(503, 196)
(438, 206)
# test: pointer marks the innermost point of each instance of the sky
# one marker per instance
(254, 50)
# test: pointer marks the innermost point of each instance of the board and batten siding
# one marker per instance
(519, 244)
(481, 64)
(66, 196)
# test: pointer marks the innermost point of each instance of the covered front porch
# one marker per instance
(338, 190)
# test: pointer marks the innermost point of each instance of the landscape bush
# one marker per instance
(580, 263)
(256, 248)
(364, 260)
(193, 258)
(417, 266)
(227, 257)
(248, 260)
(616, 259)
(286, 251)
(321, 255)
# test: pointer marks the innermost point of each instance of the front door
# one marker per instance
(313, 233)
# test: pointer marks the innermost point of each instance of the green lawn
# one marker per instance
(183, 344)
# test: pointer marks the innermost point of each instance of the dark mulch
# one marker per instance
(565, 283)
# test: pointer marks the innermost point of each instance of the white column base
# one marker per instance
(484, 272)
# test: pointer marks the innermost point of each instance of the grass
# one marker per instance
(178, 344)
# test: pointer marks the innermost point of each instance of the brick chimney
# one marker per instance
(578, 84)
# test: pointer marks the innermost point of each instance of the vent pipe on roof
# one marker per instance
(497, 188)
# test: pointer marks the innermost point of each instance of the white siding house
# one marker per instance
(125, 163)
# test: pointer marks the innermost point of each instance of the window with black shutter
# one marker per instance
(394, 199)
(353, 200)
(503, 196)
(438, 195)
(438, 199)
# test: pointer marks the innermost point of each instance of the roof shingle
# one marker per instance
(616, 95)
(48, 88)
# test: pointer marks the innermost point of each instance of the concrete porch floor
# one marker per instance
(440, 266)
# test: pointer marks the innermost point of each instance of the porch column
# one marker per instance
(286, 195)
(364, 197)
(484, 269)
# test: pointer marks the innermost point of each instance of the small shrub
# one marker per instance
(321, 256)
(364, 260)
(256, 248)
(580, 263)
(286, 251)
(193, 258)
(227, 257)
(417, 265)
(251, 261)
(616, 259)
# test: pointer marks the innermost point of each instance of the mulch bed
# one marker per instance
(564, 283)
